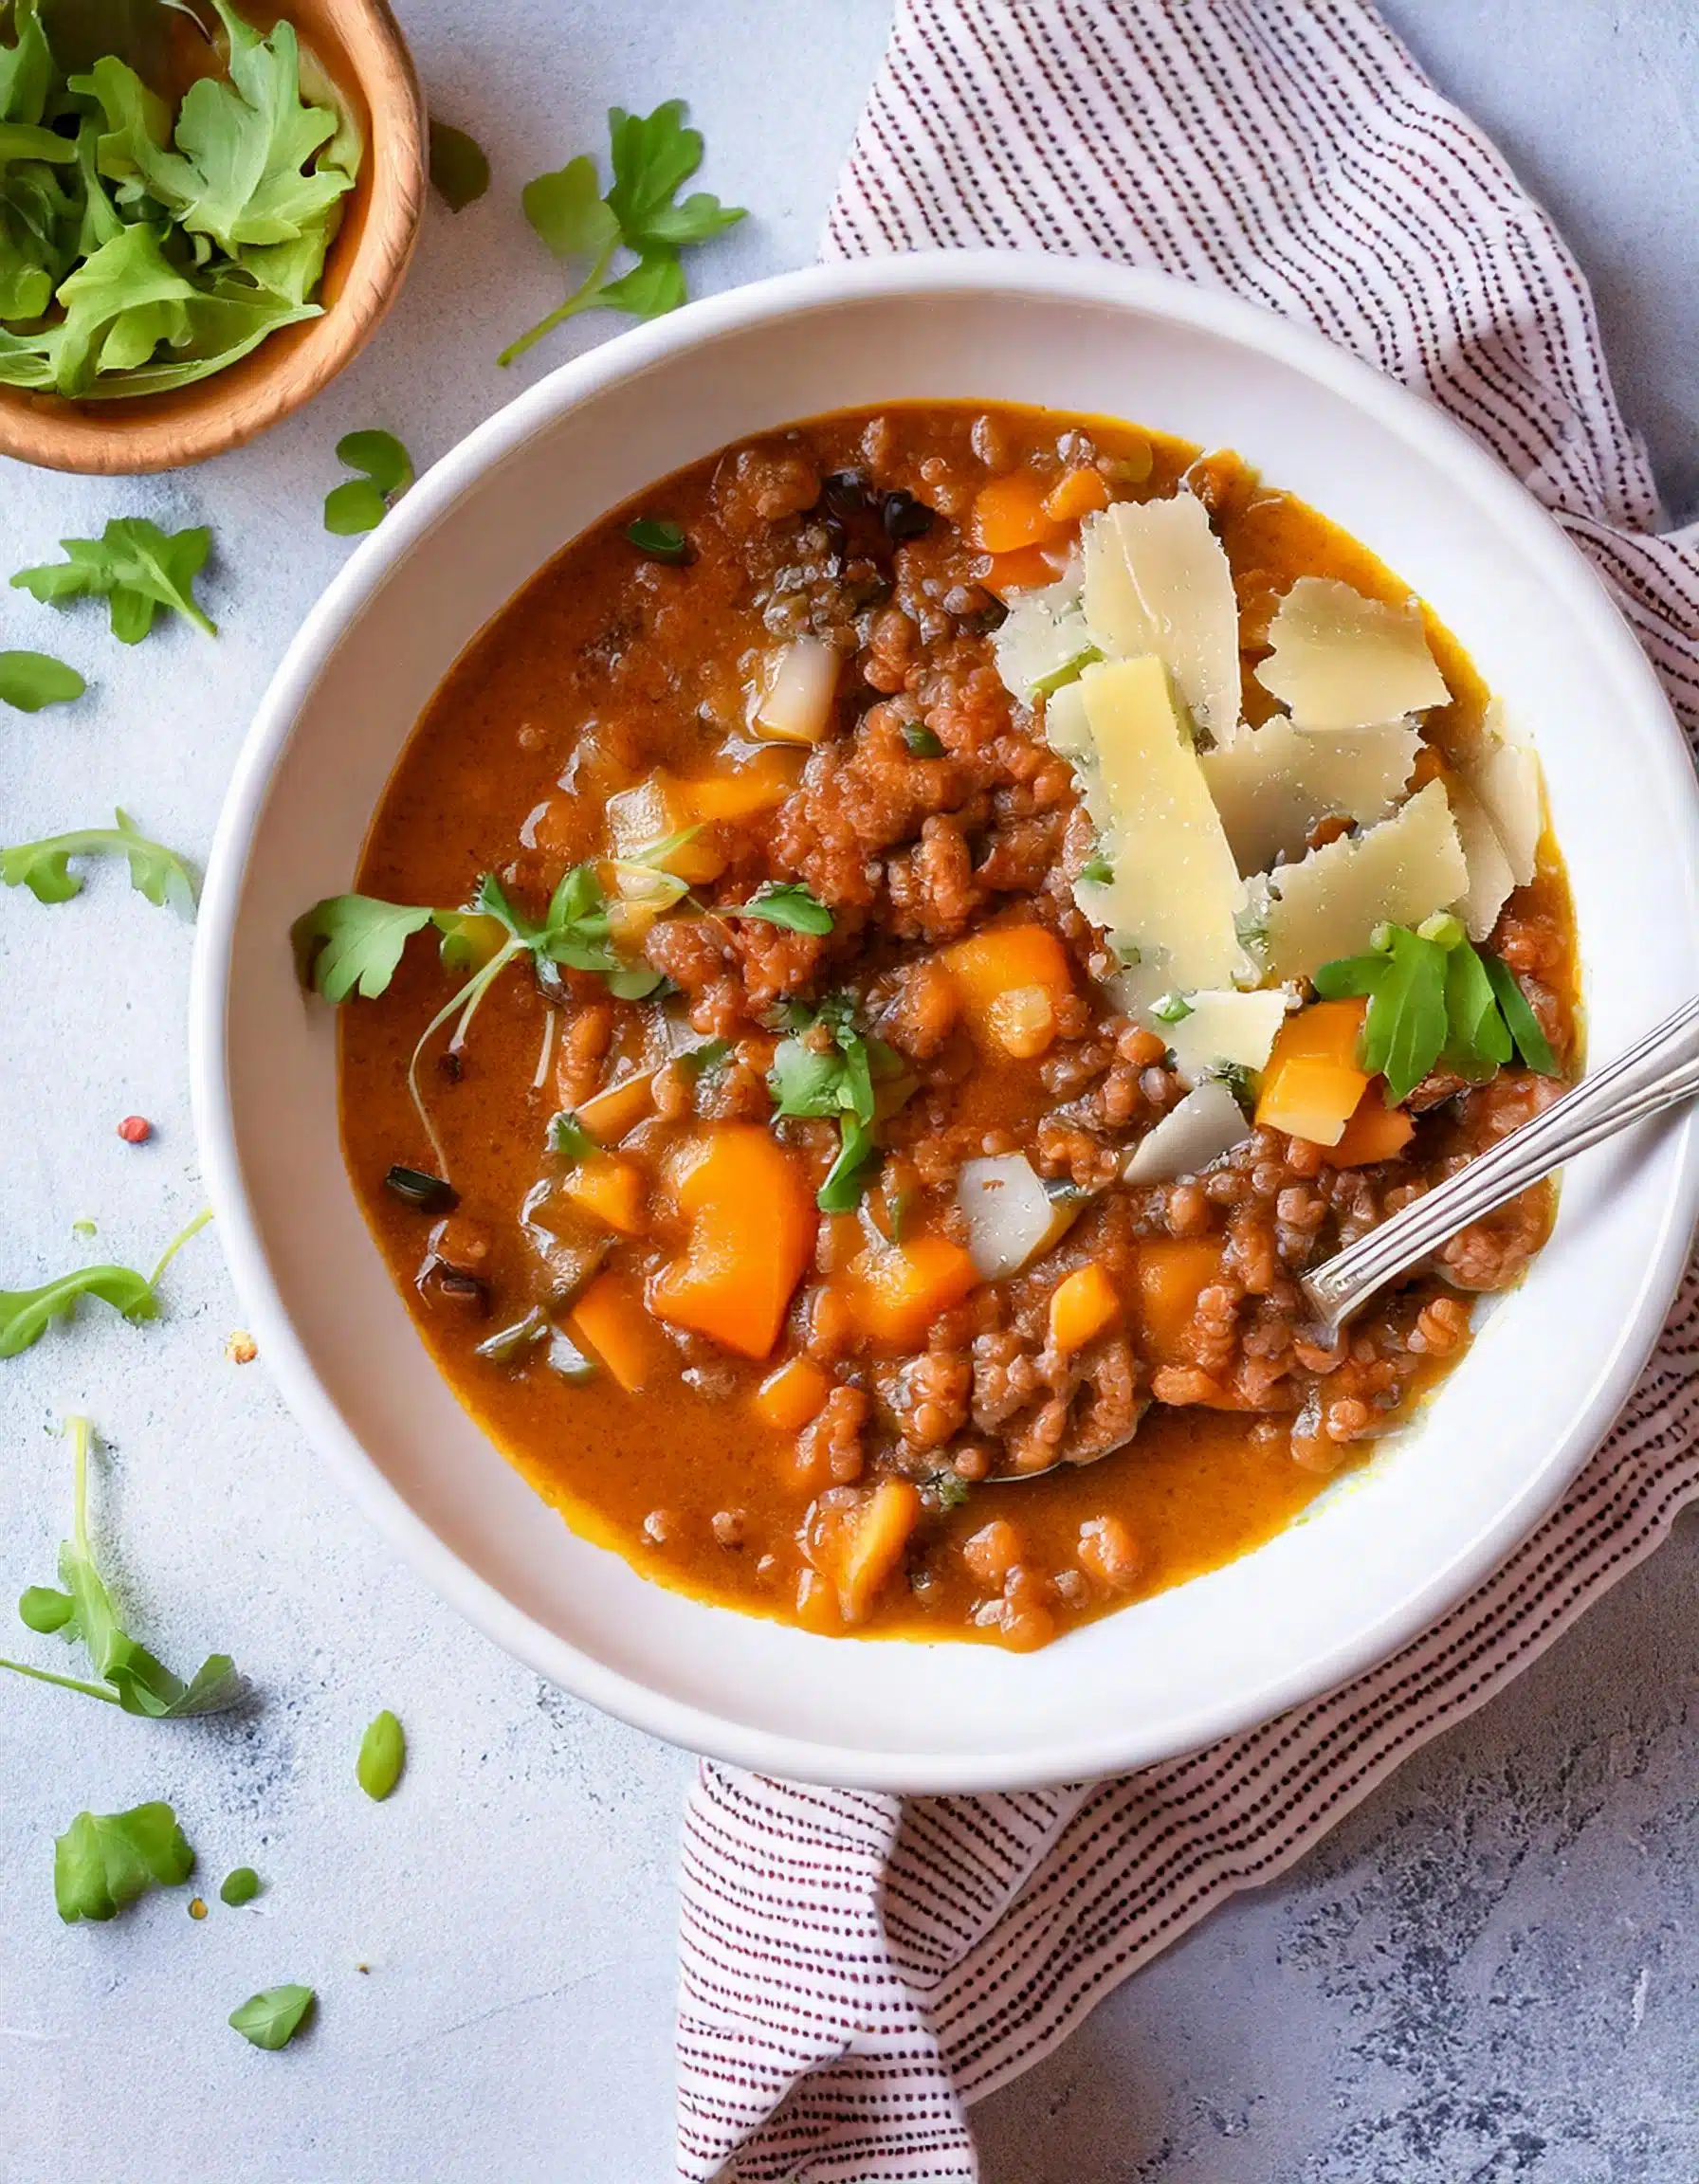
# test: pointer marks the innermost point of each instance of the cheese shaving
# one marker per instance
(1274, 783)
(1042, 634)
(1157, 580)
(1490, 878)
(1224, 1031)
(1505, 779)
(1396, 873)
(1207, 1124)
(1340, 661)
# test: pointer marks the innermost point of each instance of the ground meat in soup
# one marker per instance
(804, 1409)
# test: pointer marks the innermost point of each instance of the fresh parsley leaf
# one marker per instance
(708, 1059)
(135, 567)
(28, 680)
(104, 1861)
(659, 539)
(809, 1078)
(921, 741)
(1098, 870)
(790, 902)
(459, 166)
(382, 1756)
(353, 943)
(361, 504)
(240, 1886)
(26, 1314)
(847, 1177)
(156, 872)
(271, 2019)
(1520, 1020)
(569, 1137)
(652, 157)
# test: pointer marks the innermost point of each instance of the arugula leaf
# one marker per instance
(135, 568)
(1520, 1020)
(26, 67)
(569, 1137)
(104, 1861)
(810, 1078)
(351, 943)
(382, 1756)
(1477, 1039)
(652, 157)
(239, 1887)
(31, 680)
(459, 166)
(132, 1676)
(790, 902)
(361, 504)
(156, 872)
(1433, 998)
(658, 538)
(26, 1314)
(271, 2019)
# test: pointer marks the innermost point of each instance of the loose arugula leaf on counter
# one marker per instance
(26, 1314)
(361, 504)
(156, 872)
(813, 1078)
(28, 680)
(126, 1672)
(652, 157)
(240, 1886)
(135, 567)
(106, 1859)
(271, 2019)
(382, 1756)
(790, 902)
(459, 166)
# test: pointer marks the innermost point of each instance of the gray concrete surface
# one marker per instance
(1488, 1974)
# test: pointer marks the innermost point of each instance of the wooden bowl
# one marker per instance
(360, 46)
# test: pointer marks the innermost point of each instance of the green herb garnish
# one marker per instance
(708, 1059)
(658, 539)
(28, 680)
(459, 166)
(920, 740)
(569, 1137)
(790, 902)
(1170, 1009)
(1520, 1020)
(382, 1756)
(156, 872)
(839, 1080)
(240, 1886)
(133, 566)
(271, 2019)
(106, 1859)
(652, 157)
(1070, 671)
(1097, 871)
(361, 504)
(81, 1610)
(26, 1314)
(948, 1489)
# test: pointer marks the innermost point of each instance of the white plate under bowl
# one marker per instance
(1369, 1567)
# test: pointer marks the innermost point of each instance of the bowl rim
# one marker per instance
(1113, 1750)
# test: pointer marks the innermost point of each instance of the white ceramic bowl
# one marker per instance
(1372, 1563)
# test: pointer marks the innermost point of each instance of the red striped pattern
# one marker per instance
(853, 1969)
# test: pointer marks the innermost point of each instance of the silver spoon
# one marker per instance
(1658, 1072)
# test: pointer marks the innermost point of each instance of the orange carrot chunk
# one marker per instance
(1027, 569)
(1011, 981)
(610, 1188)
(1312, 1085)
(1375, 1132)
(1081, 1304)
(610, 1320)
(1172, 1276)
(897, 1291)
(1010, 514)
(610, 1114)
(752, 1229)
(1078, 493)
(789, 1397)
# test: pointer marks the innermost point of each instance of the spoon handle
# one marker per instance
(1659, 1071)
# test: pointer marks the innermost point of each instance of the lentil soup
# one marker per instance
(943, 915)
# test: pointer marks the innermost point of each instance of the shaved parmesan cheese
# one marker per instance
(1157, 580)
(1505, 779)
(1399, 873)
(1274, 783)
(1207, 1124)
(1224, 1031)
(1169, 904)
(1043, 636)
(1490, 878)
(1338, 660)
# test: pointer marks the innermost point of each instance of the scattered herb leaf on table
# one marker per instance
(28, 680)
(43, 867)
(382, 1756)
(272, 2018)
(240, 1886)
(459, 166)
(26, 1314)
(361, 504)
(135, 568)
(106, 1859)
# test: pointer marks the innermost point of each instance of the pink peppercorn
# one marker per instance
(135, 1129)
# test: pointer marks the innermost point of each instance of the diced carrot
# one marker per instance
(1081, 1304)
(789, 1397)
(1312, 1085)
(617, 1108)
(610, 1320)
(1172, 1276)
(1027, 569)
(1078, 493)
(752, 1228)
(1375, 1132)
(872, 1544)
(1009, 512)
(760, 786)
(1002, 961)
(817, 1607)
(612, 1189)
(898, 1290)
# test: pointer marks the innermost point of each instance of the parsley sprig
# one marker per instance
(827, 1069)
(80, 1608)
(1435, 1001)
(652, 157)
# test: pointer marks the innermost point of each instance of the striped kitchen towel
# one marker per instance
(856, 1969)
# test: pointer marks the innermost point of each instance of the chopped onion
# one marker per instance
(1208, 1123)
(1011, 1217)
(797, 691)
